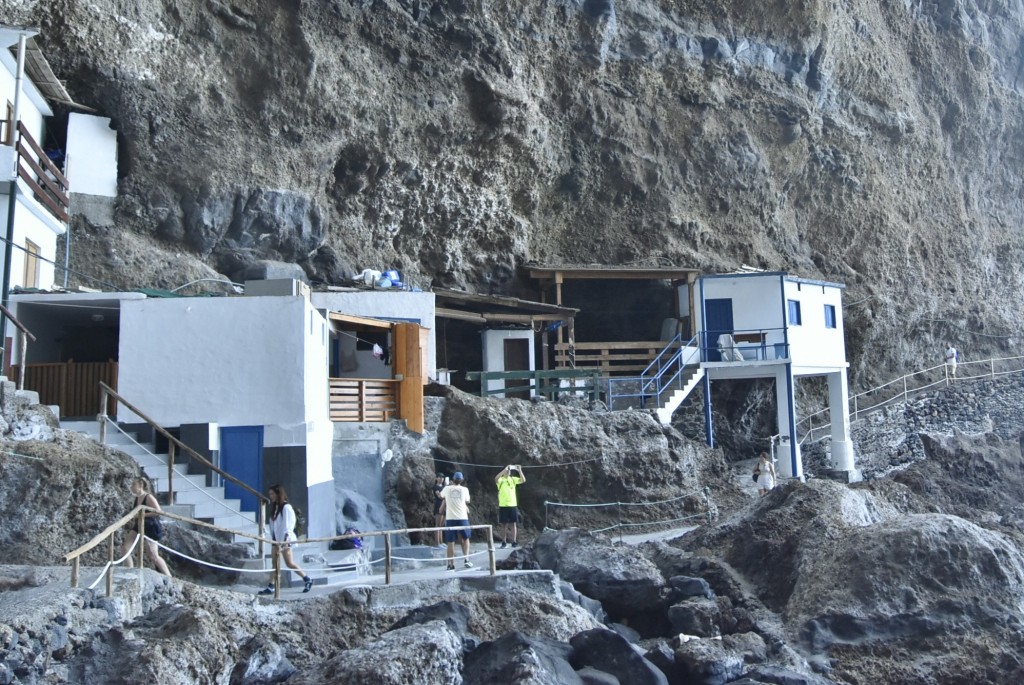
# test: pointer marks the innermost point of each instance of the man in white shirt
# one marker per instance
(952, 357)
(455, 507)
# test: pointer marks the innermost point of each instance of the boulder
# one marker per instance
(715, 662)
(422, 653)
(517, 658)
(623, 581)
(592, 676)
(606, 650)
(262, 663)
(700, 617)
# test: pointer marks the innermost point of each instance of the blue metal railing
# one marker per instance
(749, 343)
(664, 372)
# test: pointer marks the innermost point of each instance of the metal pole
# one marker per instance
(904, 390)
(260, 548)
(387, 559)
(102, 416)
(12, 202)
(74, 572)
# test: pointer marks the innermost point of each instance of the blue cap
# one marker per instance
(457, 475)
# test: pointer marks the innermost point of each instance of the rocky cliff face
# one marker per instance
(872, 143)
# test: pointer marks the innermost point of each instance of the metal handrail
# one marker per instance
(106, 392)
(906, 392)
(657, 380)
(140, 511)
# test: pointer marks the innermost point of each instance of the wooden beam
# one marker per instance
(363, 321)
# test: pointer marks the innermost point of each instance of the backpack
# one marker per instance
(349, 543)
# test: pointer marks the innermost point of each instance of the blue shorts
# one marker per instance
(458, 529)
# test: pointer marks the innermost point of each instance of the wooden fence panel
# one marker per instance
(362, 400)
(73, 386)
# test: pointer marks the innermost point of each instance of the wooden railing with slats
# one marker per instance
(42, 176)
(363, 399)
(71, 385)
(610, 358)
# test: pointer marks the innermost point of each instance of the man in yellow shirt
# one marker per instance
(508, 508)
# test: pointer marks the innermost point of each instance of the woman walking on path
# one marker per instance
(765, 472)
(282, 529)
(151, 528)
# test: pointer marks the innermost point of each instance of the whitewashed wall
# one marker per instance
(91, 155)
(389, 305)
(756, 303)
(234, 361)
(812, 344)
(319, 429)
(494, 352)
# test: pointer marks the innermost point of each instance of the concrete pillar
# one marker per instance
(790, 464)
(839, 409)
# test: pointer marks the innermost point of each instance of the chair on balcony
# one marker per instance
(727, 348)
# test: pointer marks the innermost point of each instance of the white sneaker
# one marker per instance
(468, 564)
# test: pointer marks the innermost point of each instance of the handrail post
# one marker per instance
(490, 550)
(142, 540)
(277, 570)
(904, 389)
(170, 473)
(102, 416)
(260, 547)
(110, 567)
(22, 353)
(387, 559)
(74, 572)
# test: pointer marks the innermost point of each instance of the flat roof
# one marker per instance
(600, 271)
(488, 309)
(785, 275)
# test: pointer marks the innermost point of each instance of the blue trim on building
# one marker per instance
(709, 430)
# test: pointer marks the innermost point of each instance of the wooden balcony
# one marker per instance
(363, 399)
(48, 185)
(609, 358)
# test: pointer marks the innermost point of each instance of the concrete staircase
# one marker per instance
(192, 496)
(690, 379)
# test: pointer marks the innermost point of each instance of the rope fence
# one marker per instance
(619, 516)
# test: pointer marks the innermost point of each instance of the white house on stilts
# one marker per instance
(773, 325)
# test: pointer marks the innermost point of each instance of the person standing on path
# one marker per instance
(765, 472)
(455, 508)
(508, 507)
(282, 530)
(440, 481)
(952, 357)
(152, 529)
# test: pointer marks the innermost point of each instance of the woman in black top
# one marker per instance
(152, 529)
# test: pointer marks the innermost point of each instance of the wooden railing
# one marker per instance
(174, 445)
(24, 335)
(610, 358)
(138, 514)
(548, 384)
(363, 399)
(42, 176)
(71, 384)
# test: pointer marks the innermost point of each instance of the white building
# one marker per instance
(773, 325)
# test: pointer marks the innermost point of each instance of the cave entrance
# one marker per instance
(627, 315)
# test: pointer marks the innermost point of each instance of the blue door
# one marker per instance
(241, 455)
(717, 320)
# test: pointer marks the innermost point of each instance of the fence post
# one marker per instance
(490, 550)
(102, 416)
(277, 570)
(170, 472)
(260, 547)
(992, 367)
(387, 559)
(618, 508)
(142, 540)
(22, 352)
(904, 389)
(74, 572)
(854, 407)
(110, 567)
